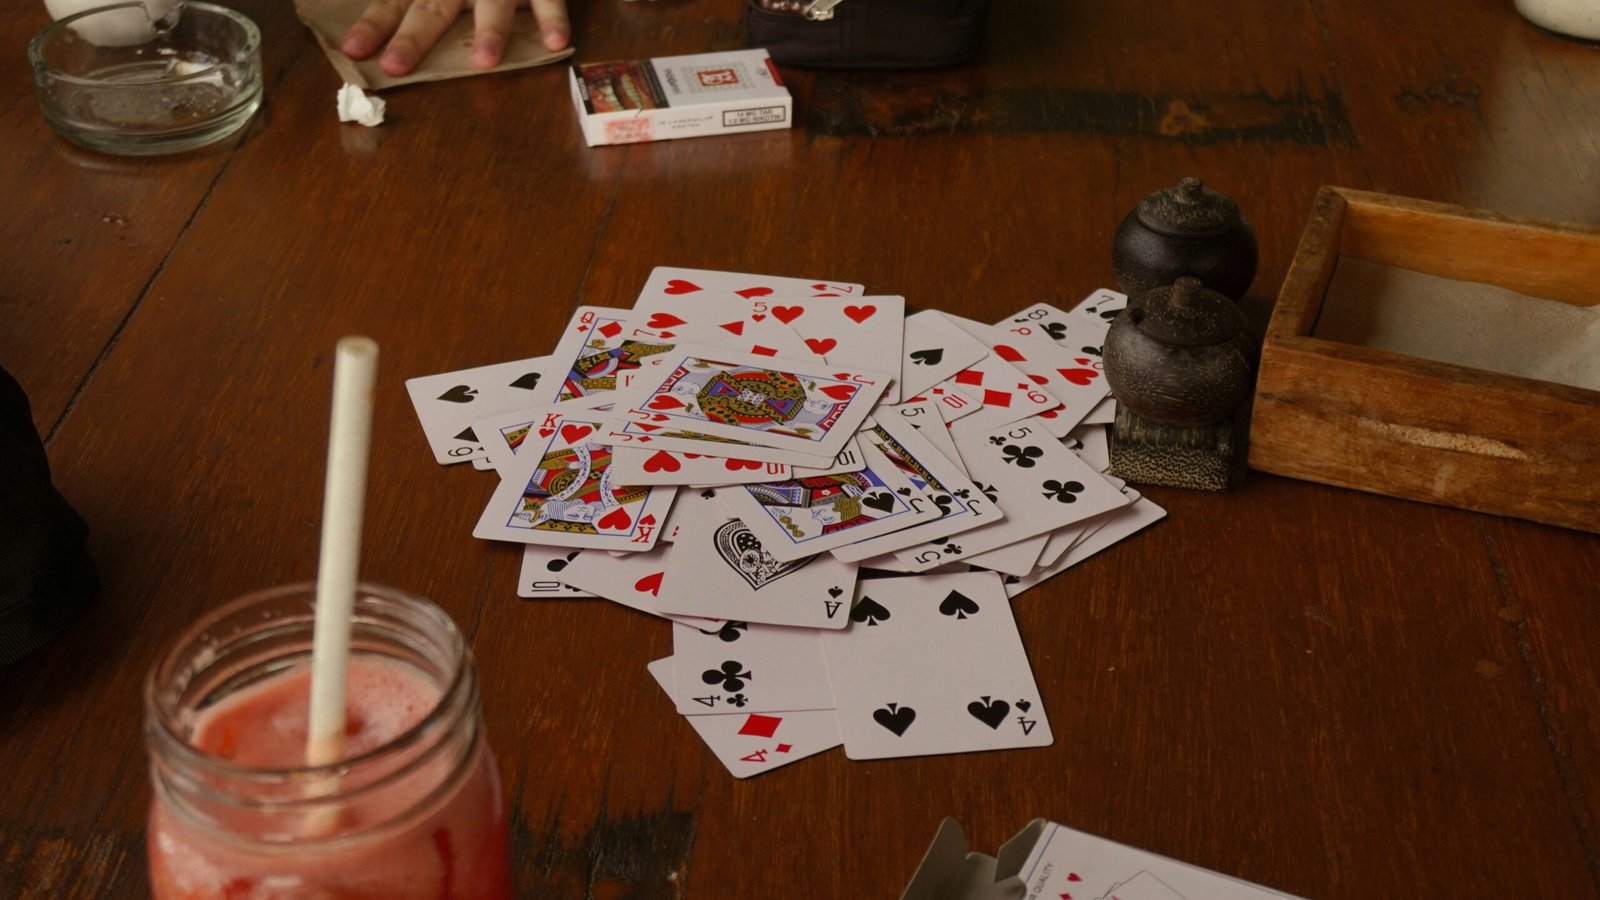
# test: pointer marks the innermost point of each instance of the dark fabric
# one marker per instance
(872, 34)
(46, 575)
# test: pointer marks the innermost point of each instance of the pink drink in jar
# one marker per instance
(413, 811)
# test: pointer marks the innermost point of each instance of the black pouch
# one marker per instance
(867, 34)
(46, 575)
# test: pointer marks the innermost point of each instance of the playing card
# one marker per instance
(1013, 559)
(558, 490)
(962, 507)
(633, 580)
(738, 667)
(753, 743)
(1103, 304)
(632, 465)
(594, 357)
(672, 285)
(953, 404)
(719, 570)
(933, 354)
(933, 665)
(1139, 515)
(924, 415)
(802, 517)
(1005, 394)
(1039, 483)
(1065, 862)
(653, 433)
(850, 333)
(1063, 539)
(1104, 413)
(448, 404)
(541, 572)
(848, 459)
(775, 402)
(1091, 445)
(1074, 377)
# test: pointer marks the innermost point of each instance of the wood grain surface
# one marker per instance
(1333, 693)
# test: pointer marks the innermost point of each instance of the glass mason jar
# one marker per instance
(415, 809)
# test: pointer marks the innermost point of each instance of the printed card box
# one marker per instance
(679, 96)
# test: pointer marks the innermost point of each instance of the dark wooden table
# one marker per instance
(1333, 693)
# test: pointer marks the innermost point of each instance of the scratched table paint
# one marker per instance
(1334, 694)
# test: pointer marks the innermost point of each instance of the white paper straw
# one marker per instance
(355, 366)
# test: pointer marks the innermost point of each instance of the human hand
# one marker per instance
(407, 29)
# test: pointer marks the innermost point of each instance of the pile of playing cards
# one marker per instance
(832, 501)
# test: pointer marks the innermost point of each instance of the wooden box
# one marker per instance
(1442, 432)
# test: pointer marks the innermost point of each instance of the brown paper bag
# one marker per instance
(451, 57)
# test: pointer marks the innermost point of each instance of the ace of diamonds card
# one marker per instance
(558, 489)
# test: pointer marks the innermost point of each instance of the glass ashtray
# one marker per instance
(117, 80)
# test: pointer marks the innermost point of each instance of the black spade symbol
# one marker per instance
(467, 434)
(927, 357)
(556, 565)
(989, 712)
(895, 717)
(882, 501)
(959, 605)
(869, 611)
(527, 382)
(459, 394)
(835, 592)
(1024, 705)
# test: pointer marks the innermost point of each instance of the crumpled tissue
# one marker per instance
(356, 106)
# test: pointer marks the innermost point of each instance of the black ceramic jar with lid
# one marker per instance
(1187, 229)
(1180, 355)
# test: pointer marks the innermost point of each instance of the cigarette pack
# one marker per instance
(679, 96)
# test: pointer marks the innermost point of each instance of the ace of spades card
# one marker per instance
(447, 404)
(558, 490)
(720, 570)
(933, 665)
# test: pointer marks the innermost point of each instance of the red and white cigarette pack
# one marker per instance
(679, 96)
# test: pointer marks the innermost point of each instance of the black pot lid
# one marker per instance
(1188, 209)
(1186, 314)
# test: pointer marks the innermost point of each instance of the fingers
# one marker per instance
(424, 22)
(554, 28)
(491, 24)
(377, 22)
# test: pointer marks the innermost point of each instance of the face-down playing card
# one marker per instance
(933, 665)
(558, 490)
(804, 516)
(791, 404)
(752, 743)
